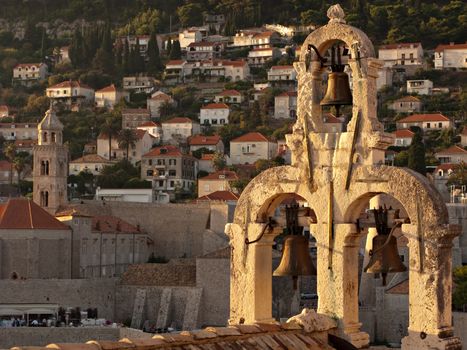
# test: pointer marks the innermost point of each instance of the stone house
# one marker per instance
(109, 96)
(4, 111)
(463, 135)
(142, 145)
(7, 173)
(440, 178)
(104, 245)
(134, 117)
(134, 195)
(139, 84)
(25, 145)
(176, 71)
(403, 137)
(154, 129)
(179, 129)
(34, 245)
(426, 122)
(156, 101)
(255, 38)
(285, 105)
(401, 54)
(451, 56)
(258, 57)
(18, 131)
(218, 181)
(92, 163)
(205, 163)
(282, 76)
(214, 114)
(28, 74)
(229, 97)
(169, 169)
(212, 143)
(420, 87)
(406, 104)
(189, 36)
(203, 50)
(453, 154)
(71, 93)
(249, 148)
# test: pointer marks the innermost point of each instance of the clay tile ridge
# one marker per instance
(149, 124)
(251, 137)
(175, 63)
(281, 67)
(408, 99)
(22, 213)
(446, 166)
(435, 117)
(178, 120)
(70, 84)
(229, 93)
(21, 65)
(164, 151)
(198, 140)
(464, 131)
(221, 196)
(91, 158)
(453, 150)
(110, 88)
(440, 48)
(215, 106)
(404, 133)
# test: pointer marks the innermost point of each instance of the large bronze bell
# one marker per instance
(338, 92)
(296, 260)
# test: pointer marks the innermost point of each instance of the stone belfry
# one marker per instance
(50, 164)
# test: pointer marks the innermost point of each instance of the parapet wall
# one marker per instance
(160, 275)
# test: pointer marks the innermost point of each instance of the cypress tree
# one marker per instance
(154, 62)
(176, 51)
(169, 47)
(417, 154)
(126, 58)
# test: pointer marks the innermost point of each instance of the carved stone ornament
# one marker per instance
(336, 14)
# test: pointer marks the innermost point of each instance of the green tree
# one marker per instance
(154, 59)
(110, 130)
(176, 51)
(19, 163)
(127, 139)
(10, 153)
(459, 295)
(190, 14)
(458, 176)
(218, 161)
(416, 159)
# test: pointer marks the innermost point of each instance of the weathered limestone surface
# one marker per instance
(337, 174)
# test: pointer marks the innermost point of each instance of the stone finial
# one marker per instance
(336, 14)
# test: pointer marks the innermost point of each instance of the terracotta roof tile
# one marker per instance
(229, 93)
(453, 150)
(200, 140)
(22, 213)
(435, 117)
(215, 106)
(446, 166)
(136, 111)
(251, 137)
(399, 46)
(281, 67)
(222, 196)
(464, 131)
(175, 63)
(401, 288)
(70, 84)
(440, 48)
(150, 124)
(4, 108)
(207, 156)
(408, 99)
(221, 175)
(112, 224)
(331, 119)
(140, 133)
(90, 158)
(28, 65)
(110, 88)
(160, 96)
(178, 120)
(404, 133)
(164, 151)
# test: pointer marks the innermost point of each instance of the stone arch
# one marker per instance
(267, 190)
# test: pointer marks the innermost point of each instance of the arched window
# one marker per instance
(44, 198)
(52, 139)
(44, 137)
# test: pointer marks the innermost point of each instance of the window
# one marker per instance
(440, 125)
(150, 161)
(428, 125)
(149, 173)
(161, 183)
(52, 138)
(172, 183)
(161, 172)
(44, 199)
(172, 173)
(44, 167)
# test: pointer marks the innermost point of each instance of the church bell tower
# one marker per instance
(50, 164)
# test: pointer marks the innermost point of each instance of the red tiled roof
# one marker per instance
(234, 63)
(251, 137)
(215, 106)
(4, 108)
(408, 99)
(149, 124)
(178, 120)
(199, 140)
(401, 288)
(140, 133)
(110, 88)
(436, 117)
(281, 67)
(446, 166)
(404, 133)
(221, 175)
(70, 84)
(399, 46)
(25, 143)
(91, 158)
(453, 150)
(5, 165)
(175, 62)
(219, 196)
(330, 118)
(464, 131)
(163, 151)
(21, 65)
(22, 213)
(288, 94)
(136, 111)
(229, 93)
(440, 48)
(112, 224)
(160, 96)
(263, 34)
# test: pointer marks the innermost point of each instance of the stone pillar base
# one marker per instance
(414, 341)
(358, 338)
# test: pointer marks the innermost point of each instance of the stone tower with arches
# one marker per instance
(50, 168)
(337, 174)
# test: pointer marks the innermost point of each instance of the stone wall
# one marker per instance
(458, 215)
(160, 275)
(99, 293)
(460, 326)
(32, 336)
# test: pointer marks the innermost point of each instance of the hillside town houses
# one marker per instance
(29, 73)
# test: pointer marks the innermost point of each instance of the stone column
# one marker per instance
(338, 287)
(251, 275)
(430, 289)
